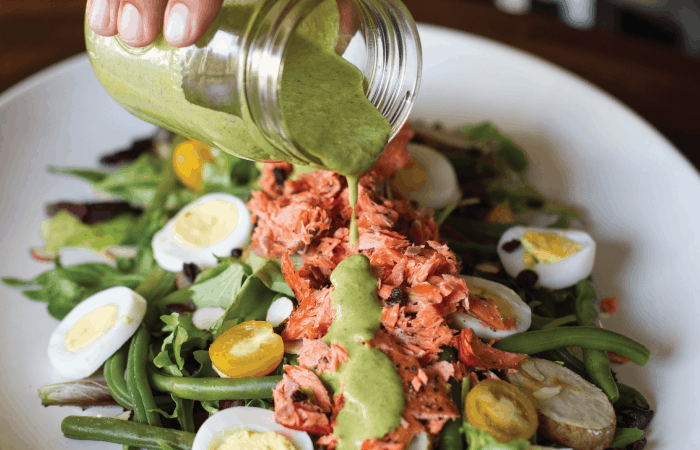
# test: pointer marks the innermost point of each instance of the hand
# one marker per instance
(139, 22)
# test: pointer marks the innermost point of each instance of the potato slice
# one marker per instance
(572, 411)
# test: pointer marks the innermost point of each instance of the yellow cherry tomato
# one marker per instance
(189, 158)
(249, 349)
(502, 410)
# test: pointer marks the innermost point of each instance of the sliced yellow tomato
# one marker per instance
(249, 349)
(502, 410)
(189, 158)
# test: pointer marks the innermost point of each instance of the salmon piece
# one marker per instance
(291, 276)
(307, 414)
(486, 311)
(395, 155)
(433, 403)
(397, 439)
(425, 292)
(609, 305)
(419, 380)
(307, 378)
(317, 355)
(474, 353)
(444, 370)
(312, 318)
(390, 316)
(328, 441)
(273, 177)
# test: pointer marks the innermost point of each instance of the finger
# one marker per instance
(140, 21)
(102, 16)
(186, 21)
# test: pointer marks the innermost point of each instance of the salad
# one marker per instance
(469, 290)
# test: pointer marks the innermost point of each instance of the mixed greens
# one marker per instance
(164, 374)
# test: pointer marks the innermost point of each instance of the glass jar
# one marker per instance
(317, 82)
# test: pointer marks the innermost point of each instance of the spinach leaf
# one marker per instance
(488, 137)
(64, 287)
(626, 436)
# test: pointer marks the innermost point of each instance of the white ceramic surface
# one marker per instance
(637, 193)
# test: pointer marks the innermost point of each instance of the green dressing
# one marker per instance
(373, 390)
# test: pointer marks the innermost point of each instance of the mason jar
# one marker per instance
(324, 83)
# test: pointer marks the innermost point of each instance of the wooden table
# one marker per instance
(660, 84)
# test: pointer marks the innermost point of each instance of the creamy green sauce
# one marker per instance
(373, 390)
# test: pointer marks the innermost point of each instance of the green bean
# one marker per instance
(596, 362)
(596, 338)
(570, 361)
(629, 396)
(137, 379)
(125, 432)
(598, 368)
(115, 366)
(451, 436)
(207, 389)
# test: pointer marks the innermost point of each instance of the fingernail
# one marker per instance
(98, 15)
(176, 29)
(130, 23)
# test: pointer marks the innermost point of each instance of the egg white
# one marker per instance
(521, 311)
(131, 308)
(245, 417)
(441, 186)
(557, 275)
(172, 255)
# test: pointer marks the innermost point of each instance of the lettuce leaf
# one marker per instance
(478, 439)
(182, 339)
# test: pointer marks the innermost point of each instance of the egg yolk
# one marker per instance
(251, 440)
(188, 159)
(91, 327)
(249, 349)
(206, 224)
(410, 178)
(546, 248)
(502, 410)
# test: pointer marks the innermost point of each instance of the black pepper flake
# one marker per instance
(510, 246)
(299, 396)
(236, 253)
(526, 279)
(435, 389)
(397, 296)
(280, 176)
(191, 271)
(413, 368)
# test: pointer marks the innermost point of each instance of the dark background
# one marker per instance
(635, 55)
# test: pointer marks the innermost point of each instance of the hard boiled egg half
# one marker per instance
(431, 180)
(211, 226)
(560, 257)
(95, 329)
(509, 305)
(235, 428)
